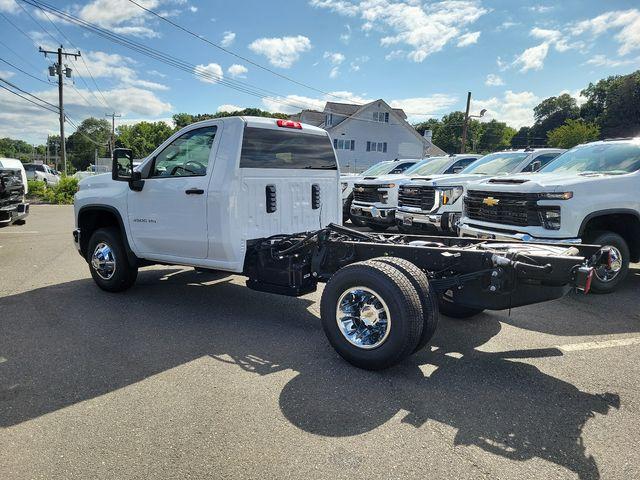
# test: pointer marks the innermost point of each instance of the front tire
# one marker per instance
(108, 261)
(371, 314)
(606, 280)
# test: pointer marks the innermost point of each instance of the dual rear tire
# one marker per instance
(377, 313)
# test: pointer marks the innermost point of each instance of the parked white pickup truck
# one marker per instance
(435, 203)
(260, 197)
(591, 194)
(41, 173)
(395, 167)
(375, 200)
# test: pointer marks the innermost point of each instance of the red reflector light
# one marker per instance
(587, 284)
(289, 124)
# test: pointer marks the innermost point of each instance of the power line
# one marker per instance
(255, 64)
(55, 41)
(22, 71)
(176, 62)
(28, 99)
(28, 93)
(83, 61)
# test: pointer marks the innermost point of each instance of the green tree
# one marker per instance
(572, 133)
(551, 113)
(142, 137)
(448, 134)
(91, 135)
(494, 136)
(613, 104)
(183, 119)
(18, 149)
(522, 138)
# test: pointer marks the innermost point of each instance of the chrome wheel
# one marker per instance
(607, 273)
(103, 261)
(363, 317)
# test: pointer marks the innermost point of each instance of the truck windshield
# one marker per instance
(612, 158)
(283, 149)
(429, 166)
(378, 169)
(496, 163)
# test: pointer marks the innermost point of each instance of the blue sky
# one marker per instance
(418, 55)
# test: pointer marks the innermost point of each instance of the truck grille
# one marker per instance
(368, 194)
(417, 197)
(519, 209)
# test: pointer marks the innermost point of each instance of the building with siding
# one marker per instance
(364, 135)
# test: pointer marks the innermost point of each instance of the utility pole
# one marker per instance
(466, 123)
(58, 70)
(112, 144)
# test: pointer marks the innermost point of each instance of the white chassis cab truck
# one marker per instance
(590, 194)
(376, 199)
(435, 203)
(261, 198)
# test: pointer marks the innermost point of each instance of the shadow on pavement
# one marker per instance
(71, 342)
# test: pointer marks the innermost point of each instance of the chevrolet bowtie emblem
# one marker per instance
(360, 189)
(490, 201)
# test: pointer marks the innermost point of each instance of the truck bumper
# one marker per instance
(444, 222)
(13, 212)
(370, 213)
(475, 232)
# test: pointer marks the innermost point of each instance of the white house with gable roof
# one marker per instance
(364, 135)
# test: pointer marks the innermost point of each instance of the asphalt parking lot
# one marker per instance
(192, 375)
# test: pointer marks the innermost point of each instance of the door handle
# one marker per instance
(194, 191)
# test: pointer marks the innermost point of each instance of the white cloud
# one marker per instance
(237, 71)
(227, 39)
(193, 8)
(19, 119)
(420, 108)
(281, 52)
(355, 65)
(335, 71)
(417, 108)
(540, 8)
(532, 58)
(9, 6)
(336, 58)
(6, 74)
(468, 39)
(117, 67)
(604, 61)
(626, 22)
(211, 73)
(494, 80)
(229, 108)
(546, 34)
(346, 36)
(514, 108)
(395, 55)
(424, 28)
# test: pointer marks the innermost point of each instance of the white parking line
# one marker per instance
(622, 342)
(21, 232)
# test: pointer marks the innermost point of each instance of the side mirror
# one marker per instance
(122, 166)
(535, 166)
(458, 169)
(122, 169)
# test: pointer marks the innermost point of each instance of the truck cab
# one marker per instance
(587, 195)
(376, 199)
(207, 191)
(434, 203)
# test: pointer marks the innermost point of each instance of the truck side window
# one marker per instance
(546, 158)
(460, 164)
(187, 155)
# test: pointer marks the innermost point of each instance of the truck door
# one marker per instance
(168, 218)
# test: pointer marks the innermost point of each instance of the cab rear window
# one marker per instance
(284, 149)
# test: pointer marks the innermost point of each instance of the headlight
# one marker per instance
(449, 195)
(344, 186)
(555, 196)
(550, 218)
